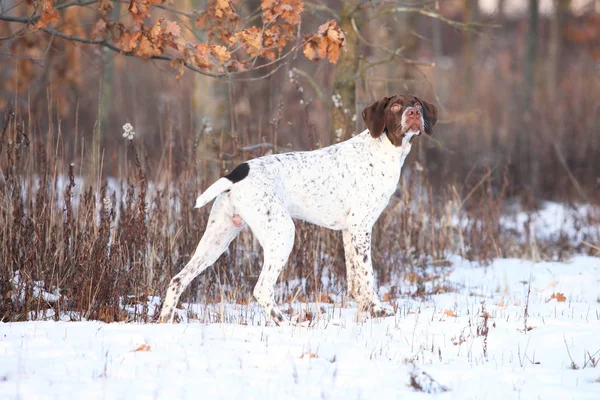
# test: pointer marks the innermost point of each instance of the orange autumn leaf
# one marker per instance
(222, 7)
(314, 49)
(172, 28)
(104, 6)
(99, 30)
(234, 65)
(287, 10)
(560, 297)
(326, 43)
(139, 9)
(201, 56)
(129, 41)
(252, 38)
(156, 30)
(324, 298)
(148, 48)
(277, 36)
(335, 39)
(178, 65)
(220, 53)
(449, 313)
(49, 15)
(143, 347)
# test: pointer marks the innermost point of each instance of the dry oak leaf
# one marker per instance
(201, 56)
(49, 15)
(156, 30)
(139, 9)
(143, 347)
(449, 313)
(324, 298)
(315, 49)
(99, 30)
(172, 28)
(277, 36)
(148, 49)
(288, 10)
(178, 65)
(335, 39)
(234, 65)
(222, 7)
(128, 41)
(560, 297)
(252, 38)
(326, 43)
(220, 52)
(104, 6)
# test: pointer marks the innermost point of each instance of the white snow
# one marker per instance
(439, 341)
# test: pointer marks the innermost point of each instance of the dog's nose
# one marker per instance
(414, 113)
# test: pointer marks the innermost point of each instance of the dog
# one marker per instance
(343, 187)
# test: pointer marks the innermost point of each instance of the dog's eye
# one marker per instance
(396, 107)
(418, 105)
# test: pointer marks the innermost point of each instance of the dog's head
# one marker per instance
(399, 116)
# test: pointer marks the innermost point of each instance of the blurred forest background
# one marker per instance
(93, 224)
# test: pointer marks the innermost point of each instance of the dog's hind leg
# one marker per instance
(277, 246)
(221, 229)
(274, 229)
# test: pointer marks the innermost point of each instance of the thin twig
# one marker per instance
(435, 15)
(591, 245)
(312, 83)
(395, 53)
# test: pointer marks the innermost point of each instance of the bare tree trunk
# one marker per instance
(561, 9)
(530, 56)
(208, 96)
(344, 84)
(409, 42)
(105, 98)
(471, 14)
(501, 9)
(524, 150)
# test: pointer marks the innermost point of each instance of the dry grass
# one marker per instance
(99, 245)
(100, 223)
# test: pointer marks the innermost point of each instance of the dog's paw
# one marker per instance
(165, 318)
(279, 319)
(382, 310)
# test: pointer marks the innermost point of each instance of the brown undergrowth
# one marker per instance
(75, 242)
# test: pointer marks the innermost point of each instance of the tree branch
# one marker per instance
(30, 21)
(312, 83)
(323, 7)
(111, 46)
(395, 54)
(435, 15)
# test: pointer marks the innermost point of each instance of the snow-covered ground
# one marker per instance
(471, 343)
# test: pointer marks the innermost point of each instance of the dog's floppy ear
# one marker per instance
(430, 116)
(374, 118)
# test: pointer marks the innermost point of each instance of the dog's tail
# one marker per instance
(213, 191)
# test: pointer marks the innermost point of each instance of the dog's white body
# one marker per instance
(343, 187)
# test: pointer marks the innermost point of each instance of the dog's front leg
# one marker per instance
(359, 268)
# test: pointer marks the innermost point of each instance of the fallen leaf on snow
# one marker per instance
(143, 347)
(560, 297)
(449, 313)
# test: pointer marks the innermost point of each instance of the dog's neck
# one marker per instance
(382, 147)
(384, 144)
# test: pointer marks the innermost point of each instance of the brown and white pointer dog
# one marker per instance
(343, 187)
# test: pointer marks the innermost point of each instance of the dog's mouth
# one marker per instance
(412, 126)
